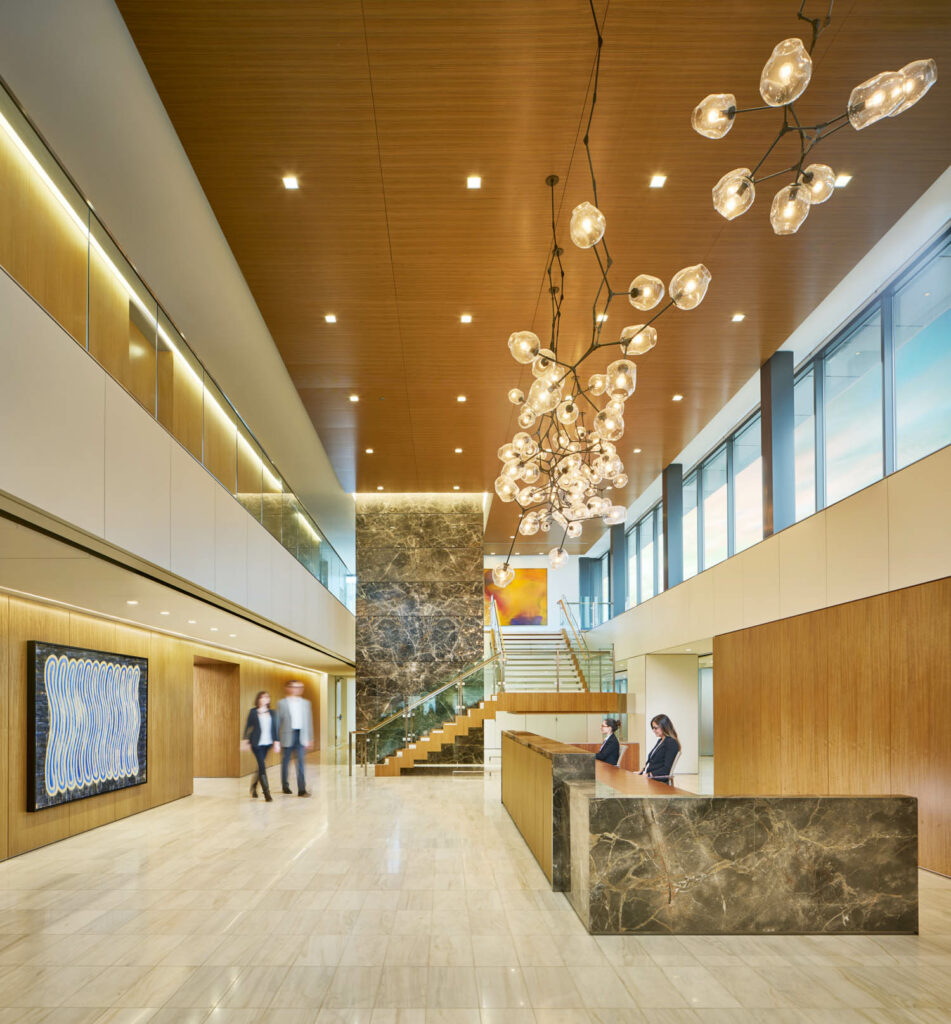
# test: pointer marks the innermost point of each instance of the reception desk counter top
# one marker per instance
(641, 857)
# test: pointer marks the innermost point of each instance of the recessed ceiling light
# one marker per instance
(460, 398)
(842, 180)
(466, 318)
(601, 318)
(132, 602)
(637, 451)
(232, 635)
(738, 318)
(457, 451)
(455, 487)
(678, 398)
(473, 181)
(369, 451)
(192, 622)
(164, 613)
(330, 318)
(290, 181)
(658, 180)
(380, 487)
(214, 629)
(354, 398)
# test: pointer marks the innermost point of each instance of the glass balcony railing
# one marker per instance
(57, 250)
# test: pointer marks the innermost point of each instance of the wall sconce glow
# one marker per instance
(678, 398)
(354, 398)
(290, 182)
(330, 318)
(460, 398)
(473, 181)
(738, 318)
(466, 318)
(658, 180)
(842, 180)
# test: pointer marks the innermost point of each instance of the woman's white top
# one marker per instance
(267, 735)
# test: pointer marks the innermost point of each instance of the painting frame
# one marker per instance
(90, 734)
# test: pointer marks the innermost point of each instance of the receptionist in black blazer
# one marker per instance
(660, 761)
(610, 751)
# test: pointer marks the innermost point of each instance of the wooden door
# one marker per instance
(217, 720)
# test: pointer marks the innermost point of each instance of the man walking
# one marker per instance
(296, 732)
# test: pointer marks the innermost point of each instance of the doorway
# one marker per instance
(216, 719)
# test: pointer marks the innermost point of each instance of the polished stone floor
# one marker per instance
(396, 901)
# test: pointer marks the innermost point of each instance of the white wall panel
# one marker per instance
(673, 690)
(52, 415)
(857, 545)
(231, 547)
(137, 479)
(760, 590)
(727, 595)
(803, 569)
(260, 543)
(919, 521)
(192, 497)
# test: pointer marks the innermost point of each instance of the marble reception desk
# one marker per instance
(641, 857)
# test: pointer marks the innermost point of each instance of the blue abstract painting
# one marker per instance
(88, 732)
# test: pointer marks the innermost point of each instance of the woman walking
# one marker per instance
(260, 734)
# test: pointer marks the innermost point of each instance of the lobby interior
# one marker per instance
(259, 265)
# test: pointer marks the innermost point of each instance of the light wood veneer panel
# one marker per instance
(527, 796)
(5, 699)
(217, 721)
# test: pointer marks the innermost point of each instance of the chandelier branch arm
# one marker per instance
(819, 25)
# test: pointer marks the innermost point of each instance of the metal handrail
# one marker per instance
(429, 696)
(569, 618)
(497, 640)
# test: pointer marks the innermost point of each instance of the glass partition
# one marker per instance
(713, 478)
(804, 413)
(59, 252)
(690, 528)
(747, 486)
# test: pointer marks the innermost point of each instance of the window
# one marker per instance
(747, 486)
(922, 339)
(804, 413)
(690, 526)
(659, 534)
(645, 555)
(631, 544)
(852, 397)
(713, 477)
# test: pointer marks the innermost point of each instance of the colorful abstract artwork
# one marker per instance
(524, 602)
(88, 723)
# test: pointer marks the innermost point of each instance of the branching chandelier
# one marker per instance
(784, 79)
(559, 465)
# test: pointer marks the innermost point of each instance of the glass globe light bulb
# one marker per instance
(786, 74)
(567, 411)
(734, 193)
(543, 396)
(916, 79)
(531, 472)
(559, 518)
(713, 116)
(615, 515)
(526, 497)
(521, 442)
(586, 226)
(689, 286)
(506, 488)
(517, 396)
(527, 418)
(790, 208)
(644, 292)
(512, 469)
(544, 524)
(529, 524)
(609, 425)
(524, 346)
(621, 480)
(597, 383)
(502, 575)
(615, 407)
(638, 340)
(507, 452)
(557, 557)
(543, 363)
(818, 181)
(875, 98)
(573, 530)
(608, 448)
(622, 378)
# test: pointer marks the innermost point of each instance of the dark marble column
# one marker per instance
(419, 596)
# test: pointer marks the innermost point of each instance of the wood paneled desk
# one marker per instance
(637, 856)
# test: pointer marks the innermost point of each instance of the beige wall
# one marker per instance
(893, 534)
(672, 688)
(170, 752)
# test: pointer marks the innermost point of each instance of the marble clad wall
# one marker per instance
(419, 595)
(743, 865)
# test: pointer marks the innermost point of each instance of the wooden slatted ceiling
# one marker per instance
(383, 108)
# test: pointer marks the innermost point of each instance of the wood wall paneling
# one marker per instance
(527, 796)
(5, 702)
(217, 720)
(854, 699)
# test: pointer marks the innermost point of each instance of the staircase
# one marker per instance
(579, 702)
(536, 662)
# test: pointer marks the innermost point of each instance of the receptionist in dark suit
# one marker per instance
(610, 751)
(660, 761)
